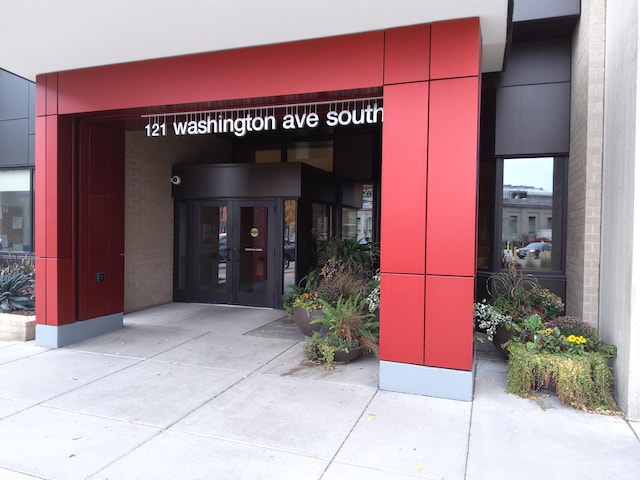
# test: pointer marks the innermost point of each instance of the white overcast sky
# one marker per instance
(530, 172)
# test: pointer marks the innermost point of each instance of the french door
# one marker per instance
(233, 252)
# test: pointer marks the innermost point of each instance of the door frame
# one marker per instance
(232, 294)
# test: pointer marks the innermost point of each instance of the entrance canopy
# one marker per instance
(48, 36)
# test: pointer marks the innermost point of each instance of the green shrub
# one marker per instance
(16, 291)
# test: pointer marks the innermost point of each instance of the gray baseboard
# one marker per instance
(52, 336)
(429, 381)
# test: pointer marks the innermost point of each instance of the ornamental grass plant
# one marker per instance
(565, 355)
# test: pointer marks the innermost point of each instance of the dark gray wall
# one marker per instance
(529, 103)
(525, 10)
(17, 120)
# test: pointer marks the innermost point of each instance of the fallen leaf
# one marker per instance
(371, 417)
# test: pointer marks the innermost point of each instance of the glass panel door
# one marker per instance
(253, 264)
(232, 248)
(211, 256)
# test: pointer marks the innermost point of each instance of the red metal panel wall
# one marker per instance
(453, 176)
(449, 328)
(406, 54)
(101, 221)
(55, 285)
(420, 311)
(456, 48)
(402, 318)
(404, 178)
(328, 64)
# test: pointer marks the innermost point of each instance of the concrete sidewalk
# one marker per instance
(189, 391)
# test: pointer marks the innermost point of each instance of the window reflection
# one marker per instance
(529, 212)
(15, 211)
(289, 245)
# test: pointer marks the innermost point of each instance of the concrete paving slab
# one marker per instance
(177, 455)
(340, 471)
(45, 376)
(136, 341)
(10, 475)
(363, 371)
(205, 318)
(280, 328)
(564, 442)
(9, 407)
(152, 393)
(294, 415)
(221, 350)
(162, 315)
(410, 435)
(56, 444)
(11, 351)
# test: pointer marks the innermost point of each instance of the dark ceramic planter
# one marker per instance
(303, 319)
(342, 356)
(501, 337)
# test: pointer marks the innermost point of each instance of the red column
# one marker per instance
(429, 190)
(55, 280)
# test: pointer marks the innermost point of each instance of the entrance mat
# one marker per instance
(280, 328)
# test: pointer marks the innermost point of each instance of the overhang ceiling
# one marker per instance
(43, 36)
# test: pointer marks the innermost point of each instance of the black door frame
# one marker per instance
(232, 293)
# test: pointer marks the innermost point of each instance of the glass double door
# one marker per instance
(233, 260)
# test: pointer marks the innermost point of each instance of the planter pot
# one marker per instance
(501, 337)
(342, 356)
(303, 319)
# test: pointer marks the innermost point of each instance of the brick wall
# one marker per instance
(585, 163)
(148, 265)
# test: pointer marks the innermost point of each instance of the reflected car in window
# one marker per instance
(533, 249)
(289, 253)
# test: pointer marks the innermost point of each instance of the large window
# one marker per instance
(16, 210)
(532, 189)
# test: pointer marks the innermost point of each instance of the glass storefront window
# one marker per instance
(16, 211)
(532, 212)
(289, 244)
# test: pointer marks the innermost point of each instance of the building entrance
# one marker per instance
(233, 251)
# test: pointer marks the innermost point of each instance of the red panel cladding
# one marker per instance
(455, 48)
(100, 217)
(402, 318)
(41, 95)
(41, 290)
(406, 54)
(59, 300)
(53, 193)
(404, 178)
(328, 64)
(449, 322)
(99, 294)
(116, 194)
(40, 188)
(51, 102)
(452, 178)
(99, 170)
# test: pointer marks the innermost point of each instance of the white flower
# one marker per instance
(489, 317)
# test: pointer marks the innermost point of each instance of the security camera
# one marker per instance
(176, 180)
